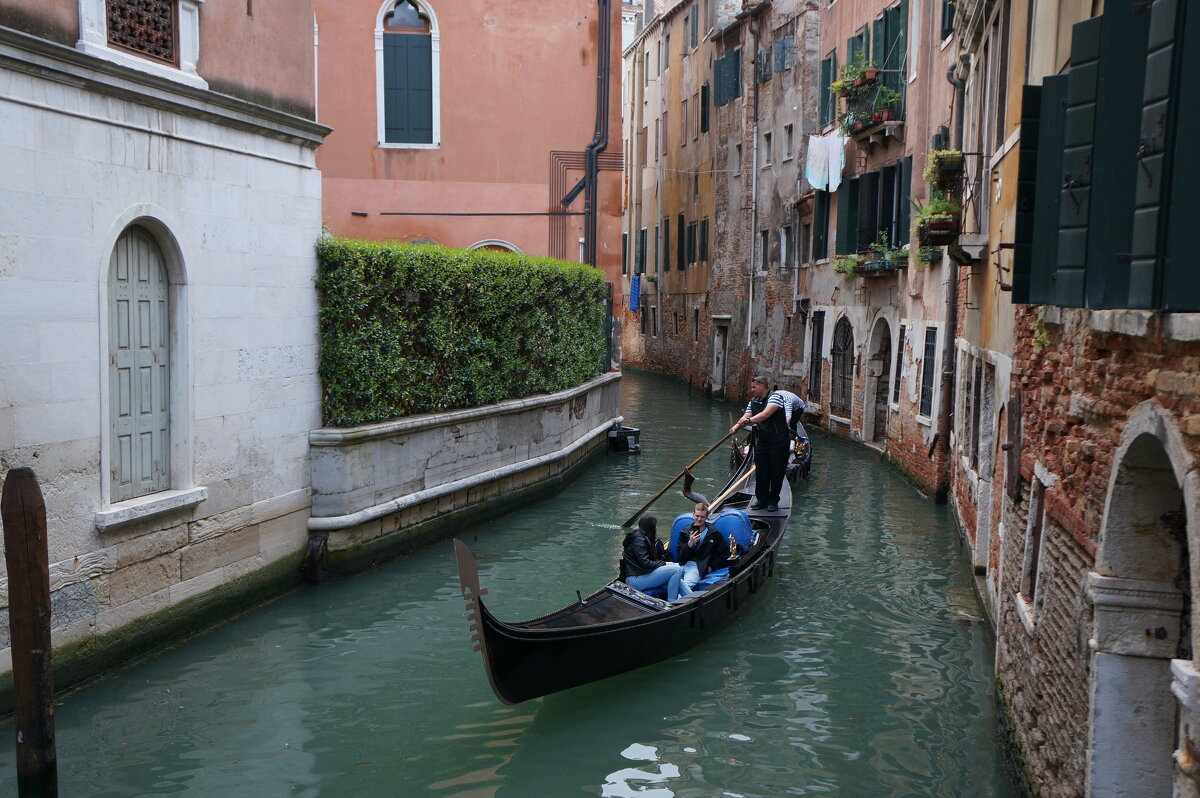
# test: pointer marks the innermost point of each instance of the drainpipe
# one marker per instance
(949, 361)
(599, 141)
(753, 195)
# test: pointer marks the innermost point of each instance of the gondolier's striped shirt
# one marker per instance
(787, 400)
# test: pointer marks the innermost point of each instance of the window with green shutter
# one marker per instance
(408, 113)
(847, 223)
(820, 245)
(704, 108)
(680, 243)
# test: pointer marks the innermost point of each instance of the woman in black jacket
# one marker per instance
(642, 564)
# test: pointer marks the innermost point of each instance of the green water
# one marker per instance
(863, 671)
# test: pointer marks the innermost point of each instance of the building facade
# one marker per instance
(472, 124)
(161, 203)
(1091, 569)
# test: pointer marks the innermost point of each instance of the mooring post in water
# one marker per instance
(24, 515)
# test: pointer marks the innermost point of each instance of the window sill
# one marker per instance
(143, 507)
(392, 145)
(839, 419)
(115, 56)
(924, 421)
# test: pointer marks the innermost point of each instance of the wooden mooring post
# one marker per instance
(25, 552)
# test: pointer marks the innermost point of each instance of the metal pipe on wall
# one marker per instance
(599, 141)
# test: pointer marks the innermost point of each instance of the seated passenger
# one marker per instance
(643, 566)
(700, 549)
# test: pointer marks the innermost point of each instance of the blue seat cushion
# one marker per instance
(713, 577)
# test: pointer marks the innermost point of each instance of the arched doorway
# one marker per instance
(877, 385)
(1142, 595)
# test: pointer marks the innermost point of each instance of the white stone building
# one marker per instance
(158, 209)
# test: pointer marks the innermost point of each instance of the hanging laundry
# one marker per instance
(816, 164)
(835, 144)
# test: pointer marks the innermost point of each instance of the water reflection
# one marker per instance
(861, 672)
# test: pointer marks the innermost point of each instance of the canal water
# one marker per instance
(865, 670)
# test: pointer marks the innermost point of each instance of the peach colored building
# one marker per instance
(469, 124)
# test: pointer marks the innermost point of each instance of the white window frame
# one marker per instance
(435, 50)
(93, 40)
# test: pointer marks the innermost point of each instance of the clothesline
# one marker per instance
(825, 162)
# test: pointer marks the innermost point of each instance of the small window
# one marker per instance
(899, 370)
(1034, 530)
(702, 244)
(683, 123)
(928, 366)
(842, 357)
(767, 154)
(148, 28)
(806, 243)
(788, 142)
(764, 249)
(695, 325)
(814, 356)
(704, 95)
(785, 240)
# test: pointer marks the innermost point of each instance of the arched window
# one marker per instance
(407, 73)
(842, 378)
(139, 366)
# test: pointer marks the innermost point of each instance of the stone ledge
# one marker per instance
(1135, 323)
(334, 436)
(144, 507)
(1182, 326)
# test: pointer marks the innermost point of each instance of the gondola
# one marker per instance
(617, 628)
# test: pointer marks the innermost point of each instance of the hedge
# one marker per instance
(407, 328)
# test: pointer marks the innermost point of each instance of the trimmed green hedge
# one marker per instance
(409, 328)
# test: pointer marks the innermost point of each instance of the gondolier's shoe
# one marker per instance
(756, 505)
(772, 508)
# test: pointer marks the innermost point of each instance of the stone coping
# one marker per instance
(337, 522)
(343, 436)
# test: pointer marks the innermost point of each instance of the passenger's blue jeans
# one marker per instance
(690, 577)
(666, 574)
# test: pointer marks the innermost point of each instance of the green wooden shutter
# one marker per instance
(824, 79)
(1180, 286)
(868, 210)
(1027, 173)
(704, 241)
(719, 98)
(1079, 134)
(664, 257)
(1047, 190)
(735, 74)
(1121, 83)
(704, 108)
(681, 243)
(408, 88)
(879, 41)
(821, 226)
(624, 253)
(897, 58)
(641, 251)
(903, 220)
(847, 227)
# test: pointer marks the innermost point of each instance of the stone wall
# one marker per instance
(229, 193)
(382, 488)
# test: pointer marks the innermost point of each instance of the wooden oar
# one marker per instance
(734, 488)
(633, 518)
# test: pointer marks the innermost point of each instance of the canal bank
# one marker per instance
(866, 670)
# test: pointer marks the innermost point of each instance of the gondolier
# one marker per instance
(768, 410)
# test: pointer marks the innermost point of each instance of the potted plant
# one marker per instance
(943, 168)
(847, 265)
(937, 222)
(886, 100)
(929, 254)
(882, 257)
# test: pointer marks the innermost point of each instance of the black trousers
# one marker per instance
(770, 463)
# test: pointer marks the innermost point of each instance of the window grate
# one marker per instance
(146, 27)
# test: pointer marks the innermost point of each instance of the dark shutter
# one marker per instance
(1122, 73)
(847, 227)
(664, 257)
(691, 243)
(408, 88)
(897, 53)
(704, 108)
(879, 41)
(681, 243)
(820, 242)
(903, 219)
(1048, 191)
(1079, 135)
(624, 253)
(1014, 416)
(1181, 288)
(1027, 173)
(704, 241)
(719, 97)
(826, 98)
(947, 18)
(640, 254)
(868, 211)
(734, 74)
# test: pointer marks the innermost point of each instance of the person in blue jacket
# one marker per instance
(700, 549)
(643, 565)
